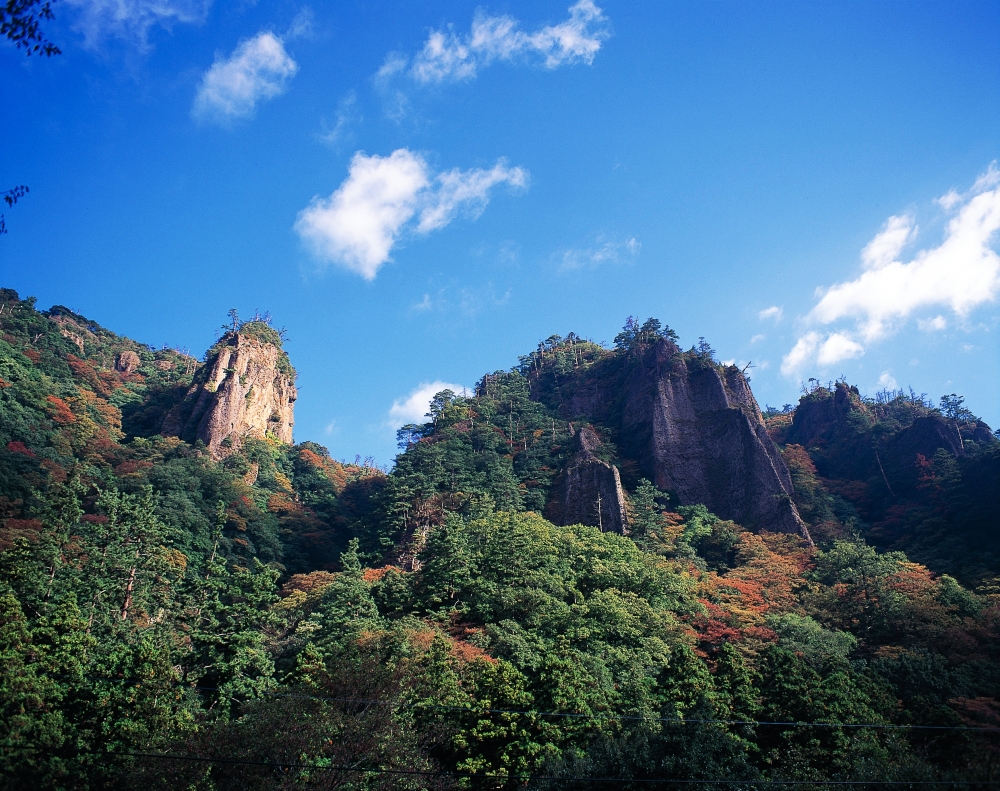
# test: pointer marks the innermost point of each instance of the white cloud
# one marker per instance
(466, 302)
(467, 190)
(887, 381)
(394, 63)
(825, 350)
(773, 312)
(358, 225)
(889, 242)
(800, 354)
(447, 56)
(509, 253)
(360, 222)
(605, 252)
(414, 407)
(132, 19)
(259, 68)
(443, 57)
(346, 116)
(757, 339)
(961, 273)
(949, 200)
(302, 24)
(838, 347)
(933, 325)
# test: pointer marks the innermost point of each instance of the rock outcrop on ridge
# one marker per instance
(589, 490)
(694, 428)
(836, 427)
(246, 388)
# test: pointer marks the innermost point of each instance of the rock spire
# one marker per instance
(589, 490)
(246, 388)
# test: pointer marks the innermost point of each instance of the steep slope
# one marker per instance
(140, 578)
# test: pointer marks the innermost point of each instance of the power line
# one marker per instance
(520, 777)
(634, 717)
(598, 717)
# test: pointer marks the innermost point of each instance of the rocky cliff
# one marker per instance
(588, 491)
(694, 428)
(849, 438)
(246, 388)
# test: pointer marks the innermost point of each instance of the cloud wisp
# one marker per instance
(259, 69)
(604, 253)
(960, 274)
(131, 20)
(347, 115)
(384, 197)
(414, 407)
(450, 57)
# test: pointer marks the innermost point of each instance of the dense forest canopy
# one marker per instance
(279, 619)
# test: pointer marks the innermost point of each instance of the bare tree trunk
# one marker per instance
(131, 584)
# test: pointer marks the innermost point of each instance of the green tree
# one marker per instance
(230, 617)
(43, 662)
(647, 521)
(346, 609)
(793, 690)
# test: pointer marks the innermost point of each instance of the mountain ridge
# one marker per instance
(157, 598)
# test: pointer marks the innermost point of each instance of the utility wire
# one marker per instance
(597, 717)
(635, 717)
(522, 777)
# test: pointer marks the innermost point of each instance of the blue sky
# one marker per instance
(420, 192)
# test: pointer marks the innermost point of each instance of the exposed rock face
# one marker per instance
(925, 435)
(980, 432)
(246, 389)
(836, 428)
(70, 329)
(127, 362)
(589, 490)
(697, 433)
(820, 418)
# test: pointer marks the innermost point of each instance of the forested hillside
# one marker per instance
(268, 617)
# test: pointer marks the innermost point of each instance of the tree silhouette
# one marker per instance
(19, 22)
(11, 197)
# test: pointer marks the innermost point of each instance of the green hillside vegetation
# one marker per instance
(280, 619)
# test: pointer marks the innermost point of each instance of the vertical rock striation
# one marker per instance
(708, 440)
(695, 429)
(589, 490)
(246, 388)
